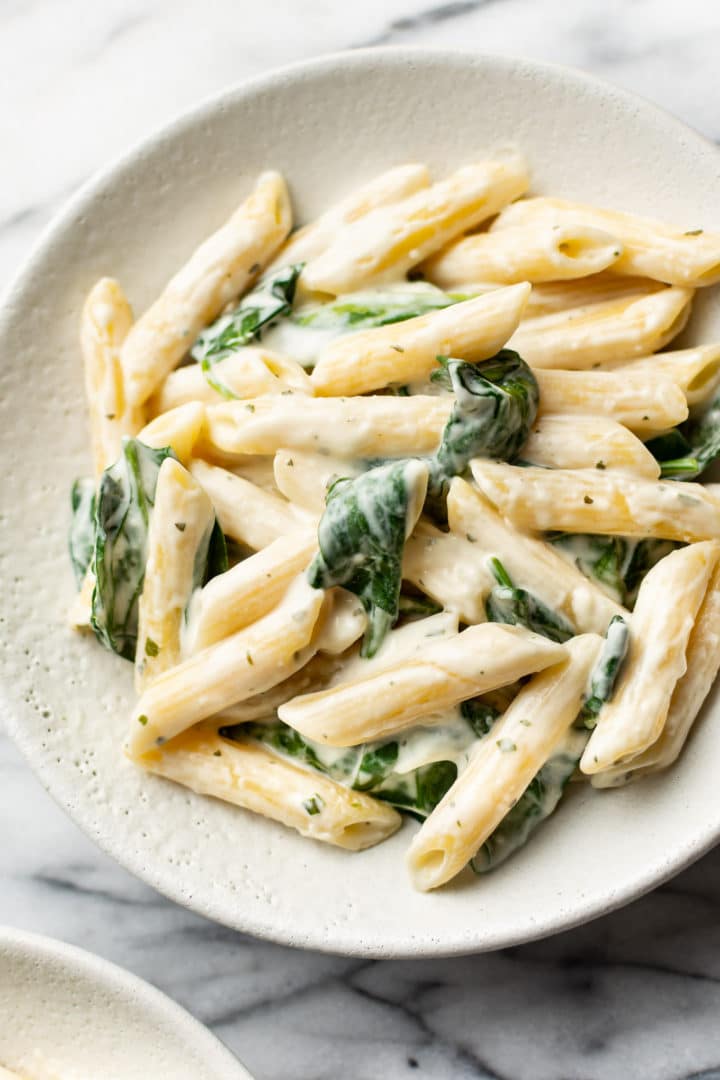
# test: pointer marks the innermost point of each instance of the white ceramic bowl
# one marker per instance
(68, 1015)
(328, 125)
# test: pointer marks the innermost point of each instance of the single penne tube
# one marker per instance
(531, 563)
(552, 296)
(388, 241)
(614, 330)
(180, 428)
(558, 441)
(501, 766)
(651, 248)
(644, 405)
(218, 271)
(105, 323)
(594, 501)
(387, 188)
(407, 351)
(536, 253)
(450, 570)
(246, 513)
(180, 526)
(379, 426)
(660, 627)
(246, 774)
(696, 371)
(304, 476)
(247, 663)
(439, 676)
(246, 592)
(343, 624)
(248, 373)
(702, 658)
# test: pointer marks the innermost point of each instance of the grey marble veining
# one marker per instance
(633, 996)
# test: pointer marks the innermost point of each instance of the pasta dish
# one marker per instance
(400, 512)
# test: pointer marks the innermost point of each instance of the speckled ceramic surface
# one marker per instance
(68, 1015)
(328, 125)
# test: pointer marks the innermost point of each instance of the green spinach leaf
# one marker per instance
(82, 527)
(126, 495)
(361, 537)
(517, 607)
(606, 671)
(686, 452)
(270, 300)
(374, 307)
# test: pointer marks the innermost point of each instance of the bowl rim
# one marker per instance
(322, 939)
(109, 977)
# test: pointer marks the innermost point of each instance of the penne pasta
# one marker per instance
(365, 427)
(105, 323)
(614, 330)
(388, 241)
(246, 592)
(180, 527)
(450, 570)
(248, 373)
(442, 674)
(383, 190)
(247, 775)
(246, 513)
(542, 252)
(696, 371)
(660, 629)
(407, 352)
(530, 562)
(593, 501)
(407, 613)
(218, 271)
(553, 296)
(304, 476)
(558, 441)
(645, 406)
(649, 248)
(702, 658)
(501, 766)
(247, 663)
(180, 428)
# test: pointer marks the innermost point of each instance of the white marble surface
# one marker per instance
(634, 995)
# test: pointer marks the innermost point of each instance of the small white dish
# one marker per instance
(327, 125)
(68, 1015)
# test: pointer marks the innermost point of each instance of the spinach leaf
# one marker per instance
(602, 558)
(686, 452)
(606, 671)
(411, 607)
(418, 792)
(496, 403)
(272, 299)
(645, 554)
(516, 607)
(361, 537)
(369, 768)
(618, 563)
(374, 307)
(82, 527)
(479, 715)
(125, 497)
(211, 557)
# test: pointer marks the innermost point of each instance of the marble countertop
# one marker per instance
(633, 995)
